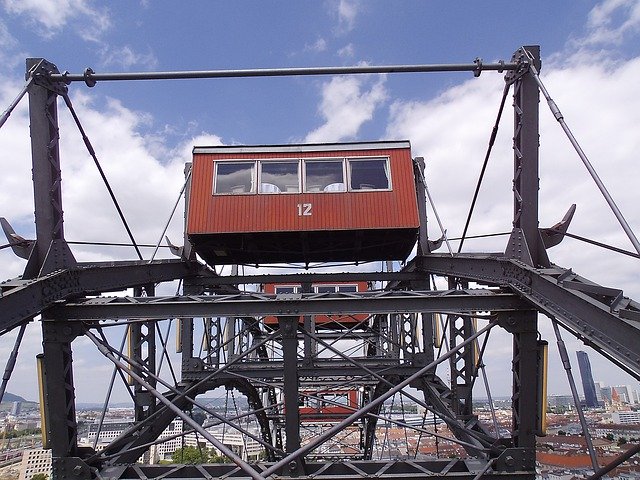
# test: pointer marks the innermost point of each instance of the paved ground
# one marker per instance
(10, 472)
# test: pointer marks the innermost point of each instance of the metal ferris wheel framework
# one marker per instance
(275, 368)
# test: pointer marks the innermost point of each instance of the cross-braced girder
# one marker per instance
(225, 342)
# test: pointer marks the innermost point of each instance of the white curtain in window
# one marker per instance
(387, 173)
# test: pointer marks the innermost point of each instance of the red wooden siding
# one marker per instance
(328, 411)
(210, 213)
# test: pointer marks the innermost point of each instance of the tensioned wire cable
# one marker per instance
(572, 139)
(5, 115)
(92, 152)
(11, 362)
(492, 139)
(468, 237)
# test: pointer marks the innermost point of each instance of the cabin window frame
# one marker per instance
(387, 172)
(335, 400)
(296, 289)
(253, 177)
(305, 186)
(262, 162)
(336, 287)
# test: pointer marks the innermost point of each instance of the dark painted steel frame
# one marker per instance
(586, 309)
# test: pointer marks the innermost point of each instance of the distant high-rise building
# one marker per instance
(606, 394)
(624, 393)
(16, 407)
(599, 397)
(588, 386)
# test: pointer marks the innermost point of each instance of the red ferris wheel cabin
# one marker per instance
(327, 321)
(303, 203)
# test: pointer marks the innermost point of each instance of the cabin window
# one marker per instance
(347, 288)
(324, 176)
(369, 174)
(317, 175)
(326, 289)
(336, 288)
(331, 399)
(312, 403)
(234, 177)
(286, 289)
(278, 177)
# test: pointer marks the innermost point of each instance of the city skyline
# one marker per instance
(589, 50)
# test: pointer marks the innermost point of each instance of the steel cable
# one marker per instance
(5, 115)
(572, 139)
(11, 362)
(92, 152)
(492, 139)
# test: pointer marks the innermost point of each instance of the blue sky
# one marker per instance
(128, 36)
(143, 131)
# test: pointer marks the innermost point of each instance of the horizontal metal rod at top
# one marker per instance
(90, 77)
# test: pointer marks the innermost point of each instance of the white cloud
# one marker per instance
(347, 51)
(320, 45)
(126, 57)
(146, 176)
(451, 132)
(52, 16)
(6, 38)
(612, 20)
(600, 102)
(11, 54)
(347, 103)
(347, 13)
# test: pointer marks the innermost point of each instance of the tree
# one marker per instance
(40, 476)
(215, 458)
(609, 436)
(191, 455)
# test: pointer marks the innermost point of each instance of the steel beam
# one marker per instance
(291, 387)
(526, 243)
(301, 278)
(606, 322)
(51, 251)
(21, 300)
(356, 470)
(250, 304)
(327, 370)
(142, 350)
(525, 407)
(58, 393)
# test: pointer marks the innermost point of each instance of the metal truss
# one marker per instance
(601, 316)
(225, 342)
(22, 299)
(255, 304)
(436, 469)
